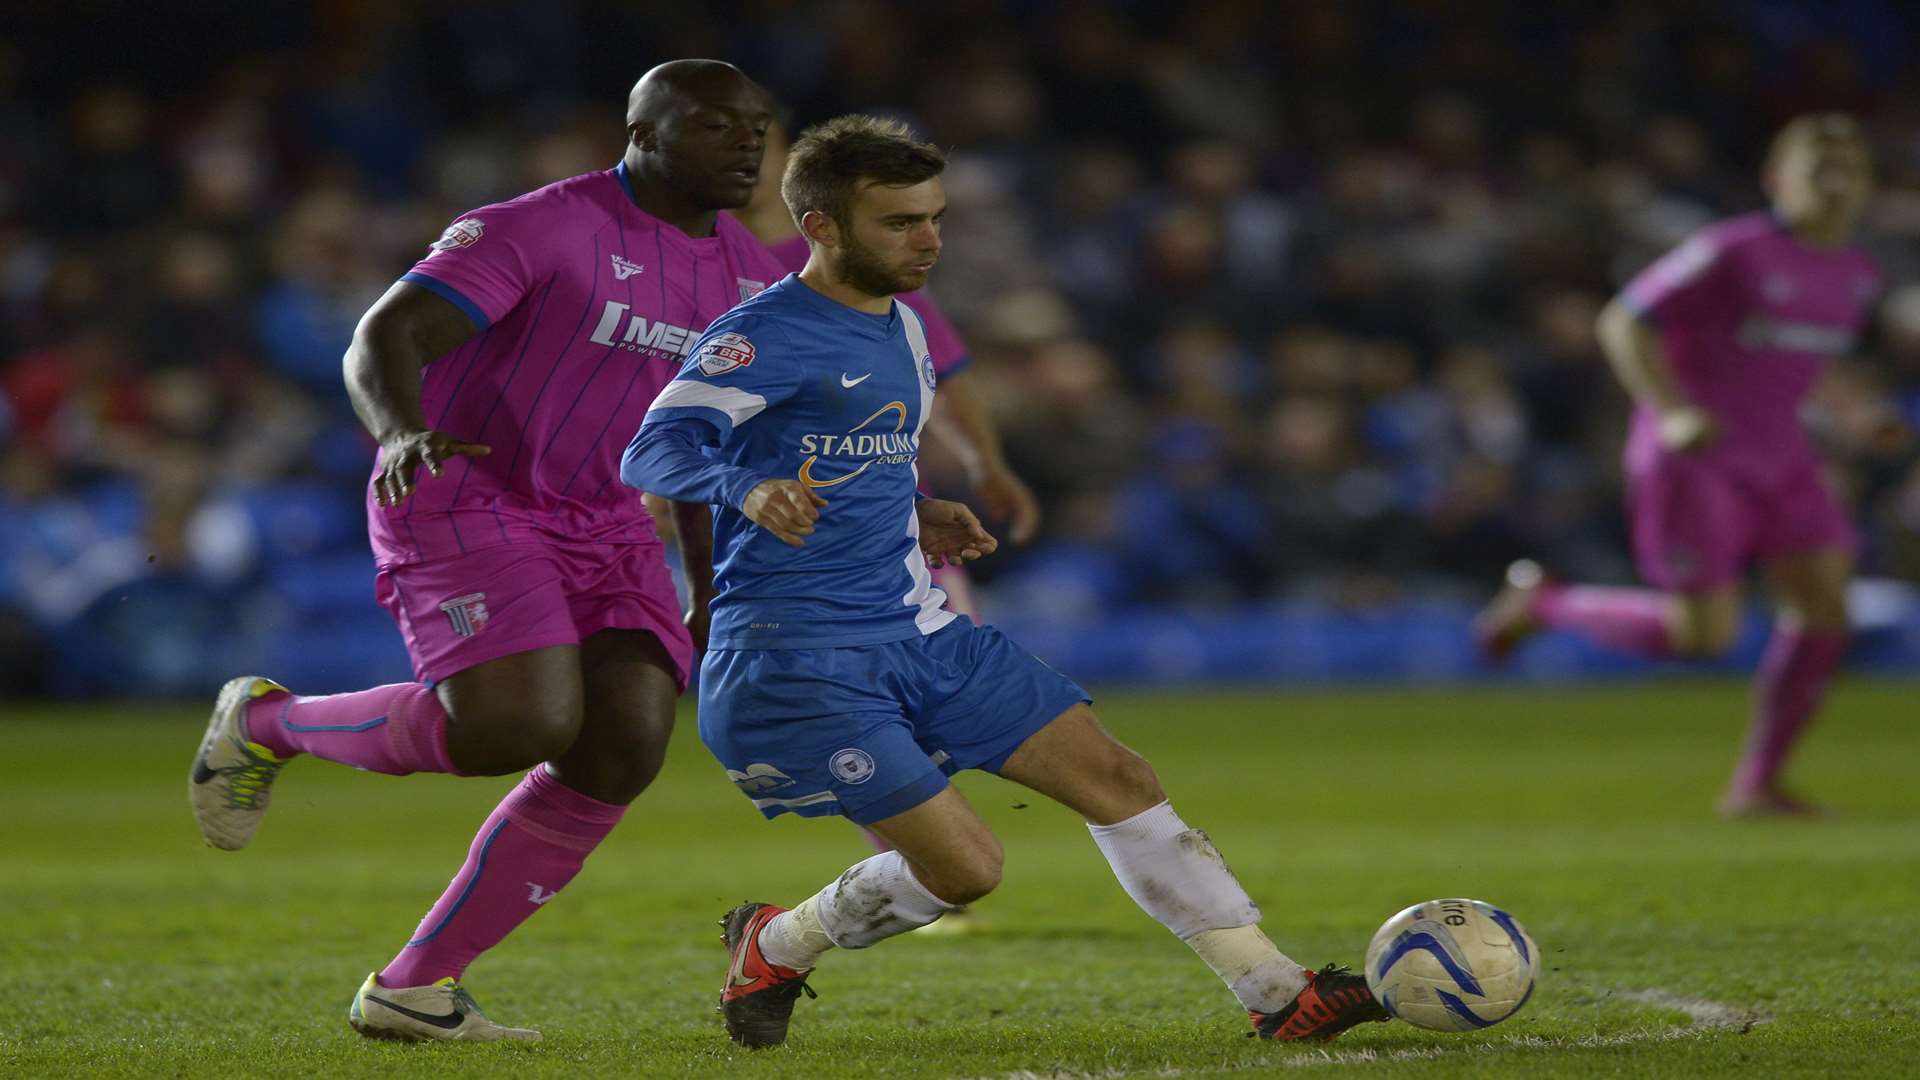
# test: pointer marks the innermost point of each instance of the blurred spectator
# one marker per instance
(325, 280)
(1268, 309)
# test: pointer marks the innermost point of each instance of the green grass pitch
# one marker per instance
(1675, 944)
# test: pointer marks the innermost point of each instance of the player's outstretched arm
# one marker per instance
(404, 331)
(1633, 350)
(950, 534)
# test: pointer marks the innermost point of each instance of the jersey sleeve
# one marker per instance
(739, 367)
(667, 458)
(943, 341)
(487, 261)
(1680, 284)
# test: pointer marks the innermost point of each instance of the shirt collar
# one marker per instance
(878, 326)
(672, 233)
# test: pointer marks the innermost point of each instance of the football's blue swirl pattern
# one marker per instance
(1421, 940)
(1513, 930)
(1465, 1012)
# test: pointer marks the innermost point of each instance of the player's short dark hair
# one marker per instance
(829, 162)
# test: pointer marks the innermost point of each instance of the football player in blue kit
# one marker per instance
(836, 682)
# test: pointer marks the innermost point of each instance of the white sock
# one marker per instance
(795, 938)
(1260, 976)
(1177, 876)
(1174, 873)
(874, 900)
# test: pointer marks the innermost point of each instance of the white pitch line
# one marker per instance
(1703, 1013)
(1705, 1017)
(1323, 1058)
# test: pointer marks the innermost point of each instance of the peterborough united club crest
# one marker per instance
(468, 613)
(851, 766)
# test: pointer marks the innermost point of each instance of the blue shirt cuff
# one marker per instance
(451, 295)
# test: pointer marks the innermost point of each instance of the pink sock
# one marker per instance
(527, 851)
(1793, 675)
(1628, 620)
(397, 729)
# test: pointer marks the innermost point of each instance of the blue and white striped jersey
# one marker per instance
(793, 384)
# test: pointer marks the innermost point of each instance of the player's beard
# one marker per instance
(862, 268)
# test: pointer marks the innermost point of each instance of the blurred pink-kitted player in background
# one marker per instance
(1719, 343)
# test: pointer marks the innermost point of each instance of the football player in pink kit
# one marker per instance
(527, 580)
(1719, 342)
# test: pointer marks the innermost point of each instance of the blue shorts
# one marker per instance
(870, 731)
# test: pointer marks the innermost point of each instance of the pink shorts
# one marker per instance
(497, 601)
(1697, 524)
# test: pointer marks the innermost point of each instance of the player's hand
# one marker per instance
(1009, 499)
(785, 508)
(402, 457)
(950, 534)
(1685, 428)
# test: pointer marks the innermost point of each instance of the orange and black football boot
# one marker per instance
(1334, 1000)
(757, 998)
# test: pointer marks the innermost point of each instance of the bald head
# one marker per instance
(677, 84)
(696, 130)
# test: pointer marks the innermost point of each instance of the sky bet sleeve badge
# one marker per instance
(462, 233)
(725, 352)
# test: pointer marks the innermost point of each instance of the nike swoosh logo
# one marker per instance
(735, 975)
(201, 773)
(736, 972)
(851, 383)
(449, 1021)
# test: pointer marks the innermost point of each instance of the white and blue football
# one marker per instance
(1452, 965)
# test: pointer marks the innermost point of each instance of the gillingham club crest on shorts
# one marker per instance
(851, 766)
(468, 613)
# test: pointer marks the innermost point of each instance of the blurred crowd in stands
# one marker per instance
(1275, 302)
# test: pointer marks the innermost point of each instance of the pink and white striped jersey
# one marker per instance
(586, 307)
